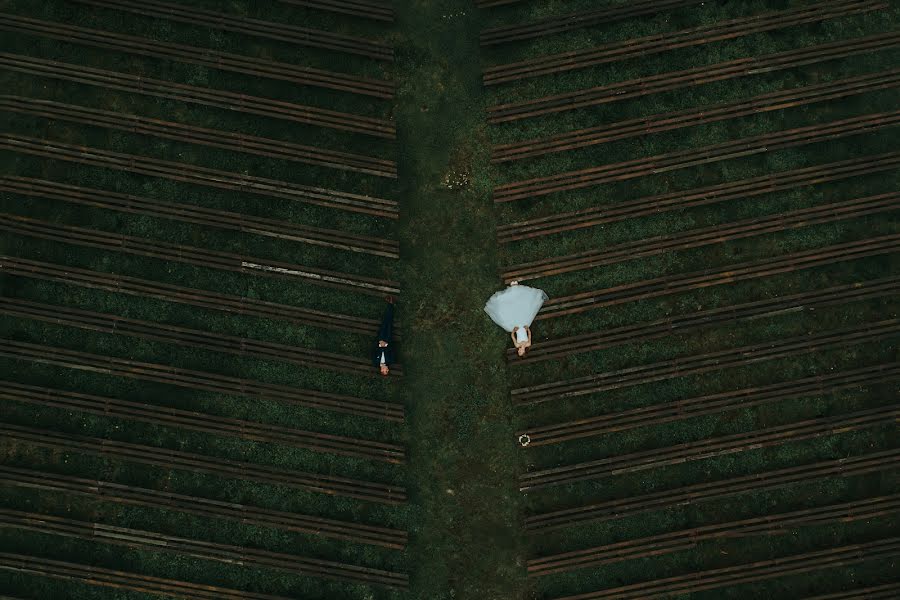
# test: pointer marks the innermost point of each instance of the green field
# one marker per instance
(472, 532)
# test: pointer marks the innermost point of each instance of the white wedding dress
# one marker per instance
(516, 306)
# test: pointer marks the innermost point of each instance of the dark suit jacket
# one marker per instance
(390, 355)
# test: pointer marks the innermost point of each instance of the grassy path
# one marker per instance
(465, 540)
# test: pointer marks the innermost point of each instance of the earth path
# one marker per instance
(465, 533)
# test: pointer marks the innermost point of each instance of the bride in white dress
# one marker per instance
(514, 309)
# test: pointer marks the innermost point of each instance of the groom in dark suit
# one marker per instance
(384, 354)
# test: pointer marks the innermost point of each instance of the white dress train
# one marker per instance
(516, 306)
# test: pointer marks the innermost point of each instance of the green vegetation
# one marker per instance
(465, 536)
(286, 291)
(464, 514)
(743, 550)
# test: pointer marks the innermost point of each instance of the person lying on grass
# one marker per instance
(514, 309)
(384, 352)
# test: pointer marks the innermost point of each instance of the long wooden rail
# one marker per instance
(213, 138)
(269, 30)
(687, 539)
(735, 190)
(704, 236)
(226, 553)
(196, 421)
(199, 215)
(225, 261)
(673, 40)
(674, 284)
(201, 380)
(187, 337)
(555, 349)
(676, 80)
(888, 591)
(144, 288)
(765, 570)
(494, 3)
(692, 117)
(192, 174)
(710, 404)
(679, 454)
(683, 159)
(574, 21)
(707, 362)
(364, 9)
(204, 57)
(198, 463)
(875, 462)
(122, 580)
(190, 94)
(129, 495)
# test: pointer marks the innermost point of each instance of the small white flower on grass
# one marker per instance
(455, 180)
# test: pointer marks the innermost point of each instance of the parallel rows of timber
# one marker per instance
(707, 192)
(179, 92)
(641, 47)
(679, 80)
(130, 495)
(207, 58)
(697, 364)
(208, 551)
(705, 196)
(226, 261)
(695, 238)
(210, 212)
(623, 130)
(552, 349)
(688, 408)
(687, 539)
(706, 492)
(301, 36)
(710, 447)
(201, 380)
(573, 21)
(273, 228)
(730, 274)
(365, 9)
(183, 336)
(652, 165)
(167, 459)
(124, 284)
(254, 145)
(242, 429)
(181, 172)
(200, 228)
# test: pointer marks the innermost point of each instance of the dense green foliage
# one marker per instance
(770, 329)
(464, 514)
